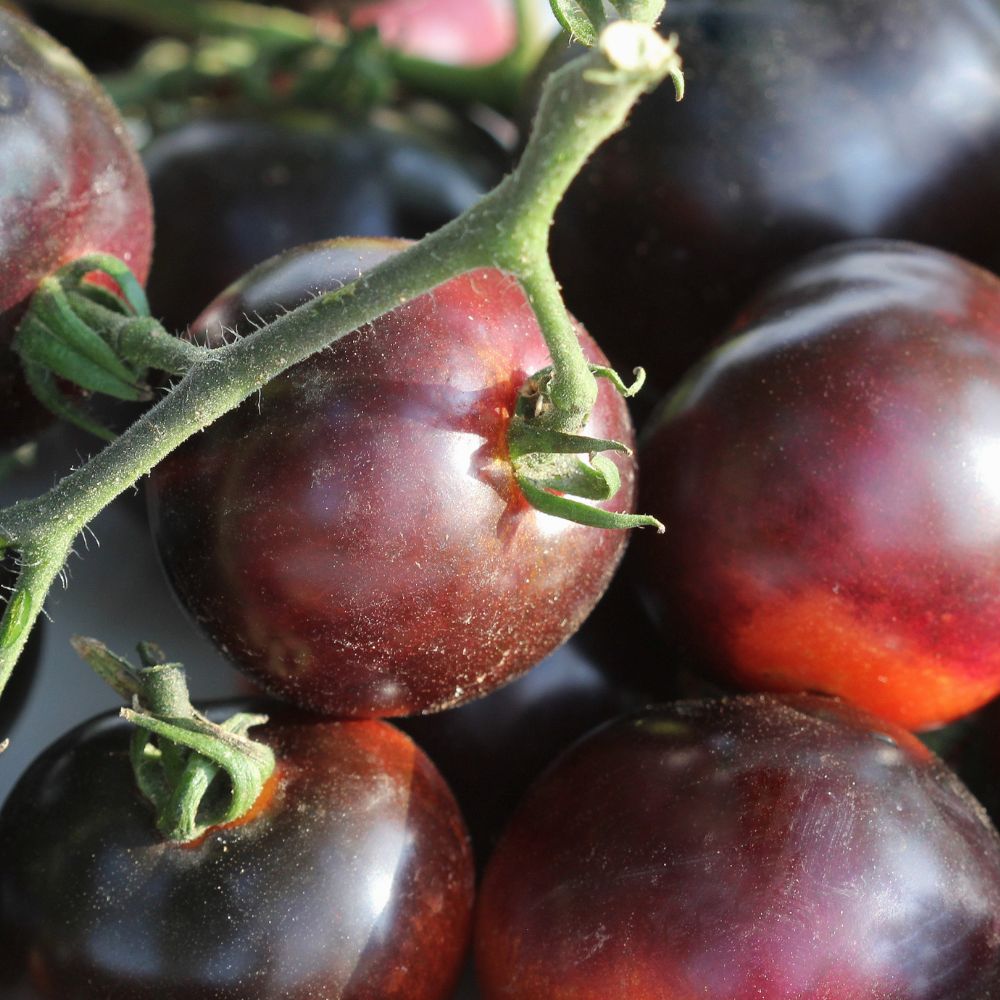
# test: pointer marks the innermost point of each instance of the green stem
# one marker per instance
(584, 102)
(573, 389)
(176, 752)
(139, 339)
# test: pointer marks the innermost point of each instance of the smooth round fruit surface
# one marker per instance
(230, 194)
(829, 482)
(70, 184)
(354, 538)
(352, 878)
(754, 848)
(804, 123)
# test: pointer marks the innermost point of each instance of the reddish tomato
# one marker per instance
(754, 848)
(463, 32)
(351, 878)
(828, 478)
(354, 538)
(70, 184)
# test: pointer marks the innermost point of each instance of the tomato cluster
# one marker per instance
(356, 540)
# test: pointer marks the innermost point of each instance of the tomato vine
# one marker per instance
(582, 104)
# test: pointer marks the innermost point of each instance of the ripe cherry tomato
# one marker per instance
(351, 878)
(229, 194)
(463, 32)
(804, 123)
(70, 184)
(354, 539)
(755, 848)
(828, 478)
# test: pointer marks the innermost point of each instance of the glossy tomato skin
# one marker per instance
(462, 32)
(231, 193)
(353, 879)
(759, 847)
(354, 538)
(70, 184)
(828, 481)
(803, 124)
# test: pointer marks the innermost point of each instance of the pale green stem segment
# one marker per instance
(582, 104)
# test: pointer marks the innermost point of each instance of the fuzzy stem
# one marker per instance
(583, 103)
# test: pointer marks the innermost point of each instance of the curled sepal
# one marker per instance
(583, 513)
(177, 754)
(547, 461)
(626, 391)
(55, 341)
(78, 275)
(44, 388)
(52, 336)
(583, 19)
(178, 784)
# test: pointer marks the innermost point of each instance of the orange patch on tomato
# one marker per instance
(814, 642)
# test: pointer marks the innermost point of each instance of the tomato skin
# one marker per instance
(70, 184)
(355, 879)
(463, 32)
(755, 848)
(826, 480)
(231, 193)
(354, 539)
(803, 124)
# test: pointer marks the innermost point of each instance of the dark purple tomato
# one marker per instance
(351, 878)
(354, 538)
(804, 123)
(229, 194)
(70, 184)
(828, 478)
(754, 848)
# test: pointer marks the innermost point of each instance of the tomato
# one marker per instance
(70, 184)
(351, 878)
(354, 539)
(463, 32)
(828, 481)
(232, 193)
(804, 123)
(756, 847)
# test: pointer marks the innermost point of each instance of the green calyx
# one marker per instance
(78, 331)
(177, 754)
(558, 471)
(55, 340)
